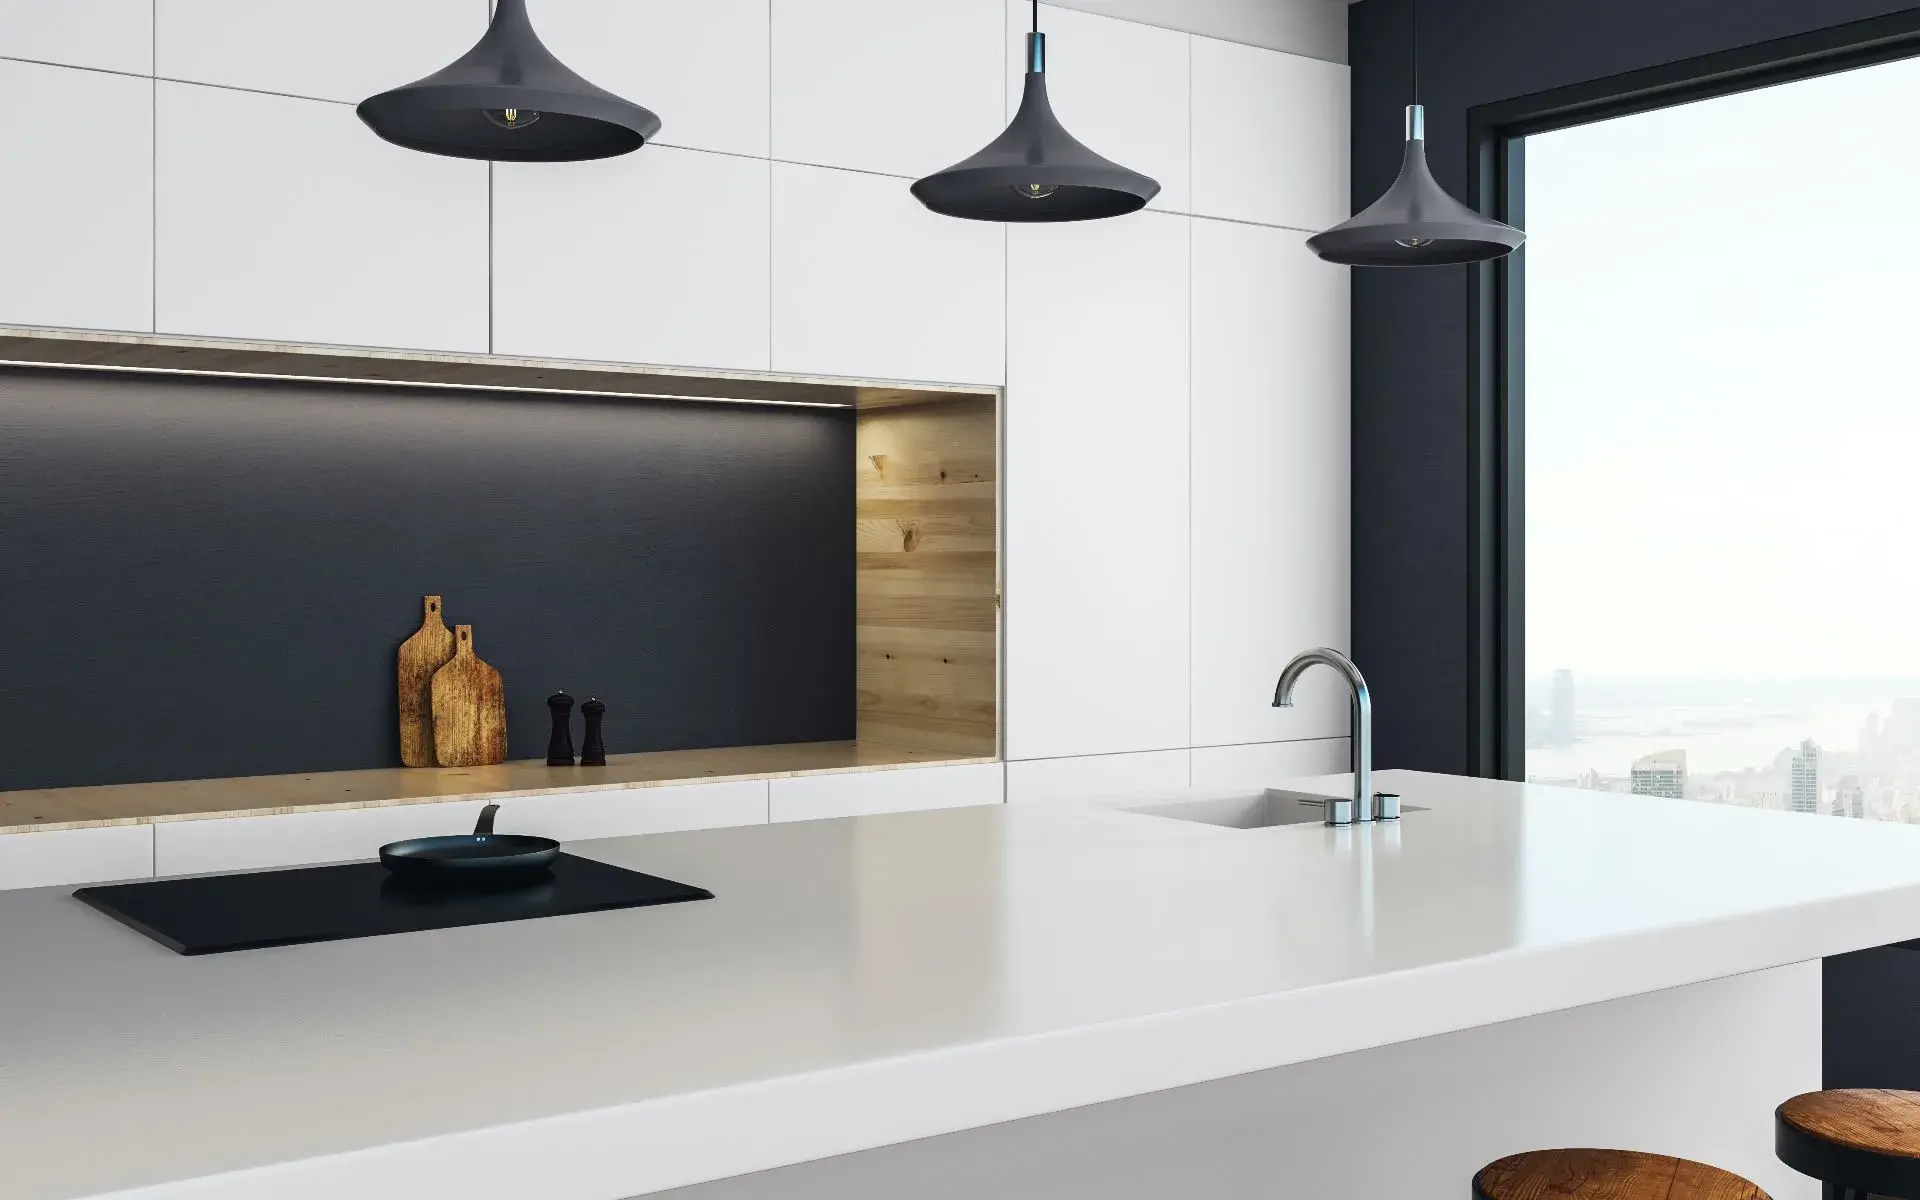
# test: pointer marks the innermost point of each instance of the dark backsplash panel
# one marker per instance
(204, 578)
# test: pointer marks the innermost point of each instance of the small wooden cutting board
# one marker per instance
(469, 708)
(429, 649)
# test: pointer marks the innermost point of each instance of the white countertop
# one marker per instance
(862, 982)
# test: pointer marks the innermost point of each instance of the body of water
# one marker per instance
(1724, 732)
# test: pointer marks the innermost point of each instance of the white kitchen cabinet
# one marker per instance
(702, 66)
(110, 35)
(662, 256)
(1231, 768)
(285, 219)
(340, 835)
(327, 49)
(629, 812)
(1122, 88)
(79, 199)
(72, 857)
(1271, 482)
(879, 85)
(1269, 136)
(298, 839)
(865, 793)
(1097, 488)
(1100, 777)
(868, 283)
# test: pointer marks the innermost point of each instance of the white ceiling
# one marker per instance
(1316, 28)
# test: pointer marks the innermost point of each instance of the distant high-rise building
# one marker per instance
(1562, 719)
(1850, 798)
(1900, 732)
(1662, 774)
(1803, 783)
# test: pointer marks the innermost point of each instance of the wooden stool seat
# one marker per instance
(1860, 1140)
(1607, 1175)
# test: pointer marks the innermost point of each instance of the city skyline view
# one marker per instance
(1842, 747)
(1717, 469)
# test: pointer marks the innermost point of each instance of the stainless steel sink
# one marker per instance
(1274, 807)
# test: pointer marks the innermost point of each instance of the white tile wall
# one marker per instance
(868, 283)
(1226, 768)
(1121, 88)
(1097, 488)
(662, 256)
(1269, 136)
(1100, 777)
(71, 857)
(702, 65)
(862, 793)
(337, 50)
(79, 199)
(111, 35)
(285, 219)
(881, 85)
(1271, 482)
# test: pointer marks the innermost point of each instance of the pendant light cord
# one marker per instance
(1416, 46)
(1036, 16)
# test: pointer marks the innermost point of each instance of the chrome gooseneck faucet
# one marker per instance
(1362, 806)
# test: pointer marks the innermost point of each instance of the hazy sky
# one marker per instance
(1723, 386)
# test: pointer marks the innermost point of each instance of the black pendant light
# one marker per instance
(1416, 223)
(510, 100)
(1036, 170)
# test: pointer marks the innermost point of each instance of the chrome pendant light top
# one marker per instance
(510, 100)
(1036, 171)
(1415, 223)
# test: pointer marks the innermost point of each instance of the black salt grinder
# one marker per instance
(560, 745)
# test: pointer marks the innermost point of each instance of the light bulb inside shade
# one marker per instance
(1035, 191)
(511, 118)
(1413, 243)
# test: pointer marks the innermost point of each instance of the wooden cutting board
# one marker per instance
(429, 649)
(469, 708)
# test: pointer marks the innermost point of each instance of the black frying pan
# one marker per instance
(481, 857)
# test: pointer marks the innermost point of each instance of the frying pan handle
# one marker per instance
(484, 826)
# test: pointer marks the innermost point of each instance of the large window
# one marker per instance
(1722, 449)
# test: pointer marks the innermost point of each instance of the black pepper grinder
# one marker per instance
(593, 751)
(560, 745)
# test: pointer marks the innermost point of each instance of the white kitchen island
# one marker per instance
(1056, 1000)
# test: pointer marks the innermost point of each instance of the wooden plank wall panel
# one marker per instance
(928, 575)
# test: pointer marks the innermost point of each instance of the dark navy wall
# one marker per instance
(1411, 502)
(203, 579)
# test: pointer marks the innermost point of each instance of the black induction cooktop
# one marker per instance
(217, 913)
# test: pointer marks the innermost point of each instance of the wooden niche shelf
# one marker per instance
(927, 539)
(928, 571)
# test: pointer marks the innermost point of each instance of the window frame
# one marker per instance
(1496, 319)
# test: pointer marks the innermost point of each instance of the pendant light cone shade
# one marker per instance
(509, 100)
(1416, 223)
(1036, 171)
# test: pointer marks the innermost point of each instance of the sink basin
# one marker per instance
(1274, 807)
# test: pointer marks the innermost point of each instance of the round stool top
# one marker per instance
(1612, 1174)
(1866, 1139)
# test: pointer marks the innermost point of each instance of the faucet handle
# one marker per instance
(1386, 806)
(1340, 810)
